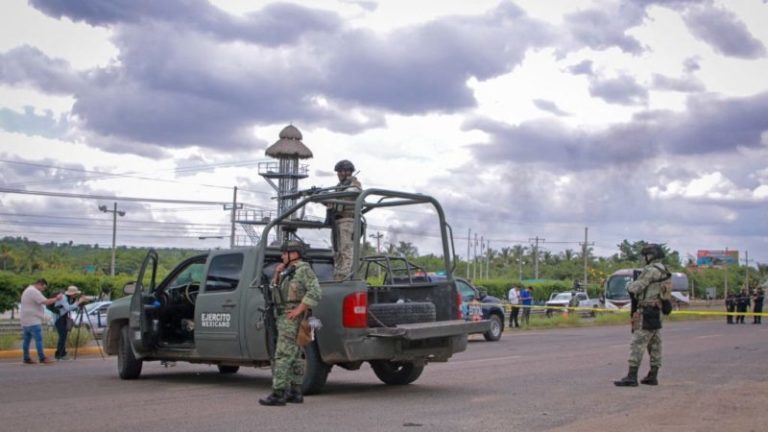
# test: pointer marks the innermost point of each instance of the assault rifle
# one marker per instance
(314, 190)
(634, 314)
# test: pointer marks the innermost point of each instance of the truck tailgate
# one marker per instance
(428, 330)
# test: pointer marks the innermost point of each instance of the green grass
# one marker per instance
(9, 341)
(601, 319)
(50, 338)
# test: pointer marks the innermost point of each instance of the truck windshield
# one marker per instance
(617, 288)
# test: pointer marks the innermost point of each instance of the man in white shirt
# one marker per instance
(514, 300)
(32, 314)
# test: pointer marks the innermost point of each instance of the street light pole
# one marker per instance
(115, 213)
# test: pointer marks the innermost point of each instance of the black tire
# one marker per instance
(497, 328)
(390, 314)
(128, 366)
(228, 369)
(396, 373)
(315, 370)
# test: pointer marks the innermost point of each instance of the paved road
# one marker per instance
(529, 381)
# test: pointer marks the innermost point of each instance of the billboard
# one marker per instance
(709, 258)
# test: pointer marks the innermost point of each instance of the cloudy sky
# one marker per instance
(642, 120)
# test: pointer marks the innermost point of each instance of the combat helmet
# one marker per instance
(652, 251)
(293, 246)
(344, 165)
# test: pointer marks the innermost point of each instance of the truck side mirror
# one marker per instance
(482, 292)
(129, 288)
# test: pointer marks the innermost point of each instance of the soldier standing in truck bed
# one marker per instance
(343, 219)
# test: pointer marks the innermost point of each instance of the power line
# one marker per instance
(110, 198)
(127, 221)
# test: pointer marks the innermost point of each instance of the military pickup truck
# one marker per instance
(214, 308)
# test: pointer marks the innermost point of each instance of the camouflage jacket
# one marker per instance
(349, 184)
(647, 287)
(299, 285)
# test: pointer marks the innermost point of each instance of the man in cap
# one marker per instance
(32, 314)
(67, 303)
(295, 292)
(647, 292)
(344, 220)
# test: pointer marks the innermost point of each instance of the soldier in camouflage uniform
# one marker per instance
(344, 220)
(295, 291)
(647, 292)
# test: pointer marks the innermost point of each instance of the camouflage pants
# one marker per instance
(343, 255)
(642, 340)
(289, 364)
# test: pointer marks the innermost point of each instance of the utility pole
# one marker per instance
(234, 209)
(482, 256)
(474, 259)
(378, 236)
(520, 269)
(469, 242)
(746, 271)
(487, 258)
(115, 212)
(536, 255)
(584, 249)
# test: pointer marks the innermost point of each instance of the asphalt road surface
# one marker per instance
(713, 379)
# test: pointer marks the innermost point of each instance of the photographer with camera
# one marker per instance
(64, 323)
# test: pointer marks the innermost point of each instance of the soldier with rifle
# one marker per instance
(341, 217)
(650, 294)
(295, 291)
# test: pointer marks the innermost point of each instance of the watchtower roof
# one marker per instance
(289, 145)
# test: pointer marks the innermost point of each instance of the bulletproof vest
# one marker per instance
(292, 289)
(347, 211)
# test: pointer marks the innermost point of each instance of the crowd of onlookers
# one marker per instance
(738, 304)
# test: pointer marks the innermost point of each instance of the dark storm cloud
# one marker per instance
(175, 84)
(685, 84)
(623, 90)
(550, 107)
(28, 66)
(275, 24)
(601, 29)
(30, 123)
(724, 32)
(425, 68)
(709, 126)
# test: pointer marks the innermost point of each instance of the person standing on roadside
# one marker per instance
(730, 307)
(514, 311)
(757, 305)
(296, 291)
(526, 301)
(742, 305)
(647, 291)
(32, 314)
(64, 306)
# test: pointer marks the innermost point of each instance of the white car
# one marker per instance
(563, 299)
(94, 316)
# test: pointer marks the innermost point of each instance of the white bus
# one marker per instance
(617, 297)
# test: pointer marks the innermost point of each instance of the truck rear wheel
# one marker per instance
(128, 366)
(228, 369)
(497, 328)
(396, 373)
(315, 370)
(390, 314)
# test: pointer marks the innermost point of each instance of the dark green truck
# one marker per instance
(212, 308)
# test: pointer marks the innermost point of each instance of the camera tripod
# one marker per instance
(79, 321)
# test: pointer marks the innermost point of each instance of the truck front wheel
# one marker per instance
(497, 328)
(396, 373)
(315, 370)
(128, 366)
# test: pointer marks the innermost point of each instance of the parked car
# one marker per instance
(563, 299)
(94, 316)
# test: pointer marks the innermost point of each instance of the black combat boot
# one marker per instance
(276, 398)
(630, 380)
(294, 395)
(651, 378)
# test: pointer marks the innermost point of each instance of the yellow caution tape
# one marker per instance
(508, 307)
